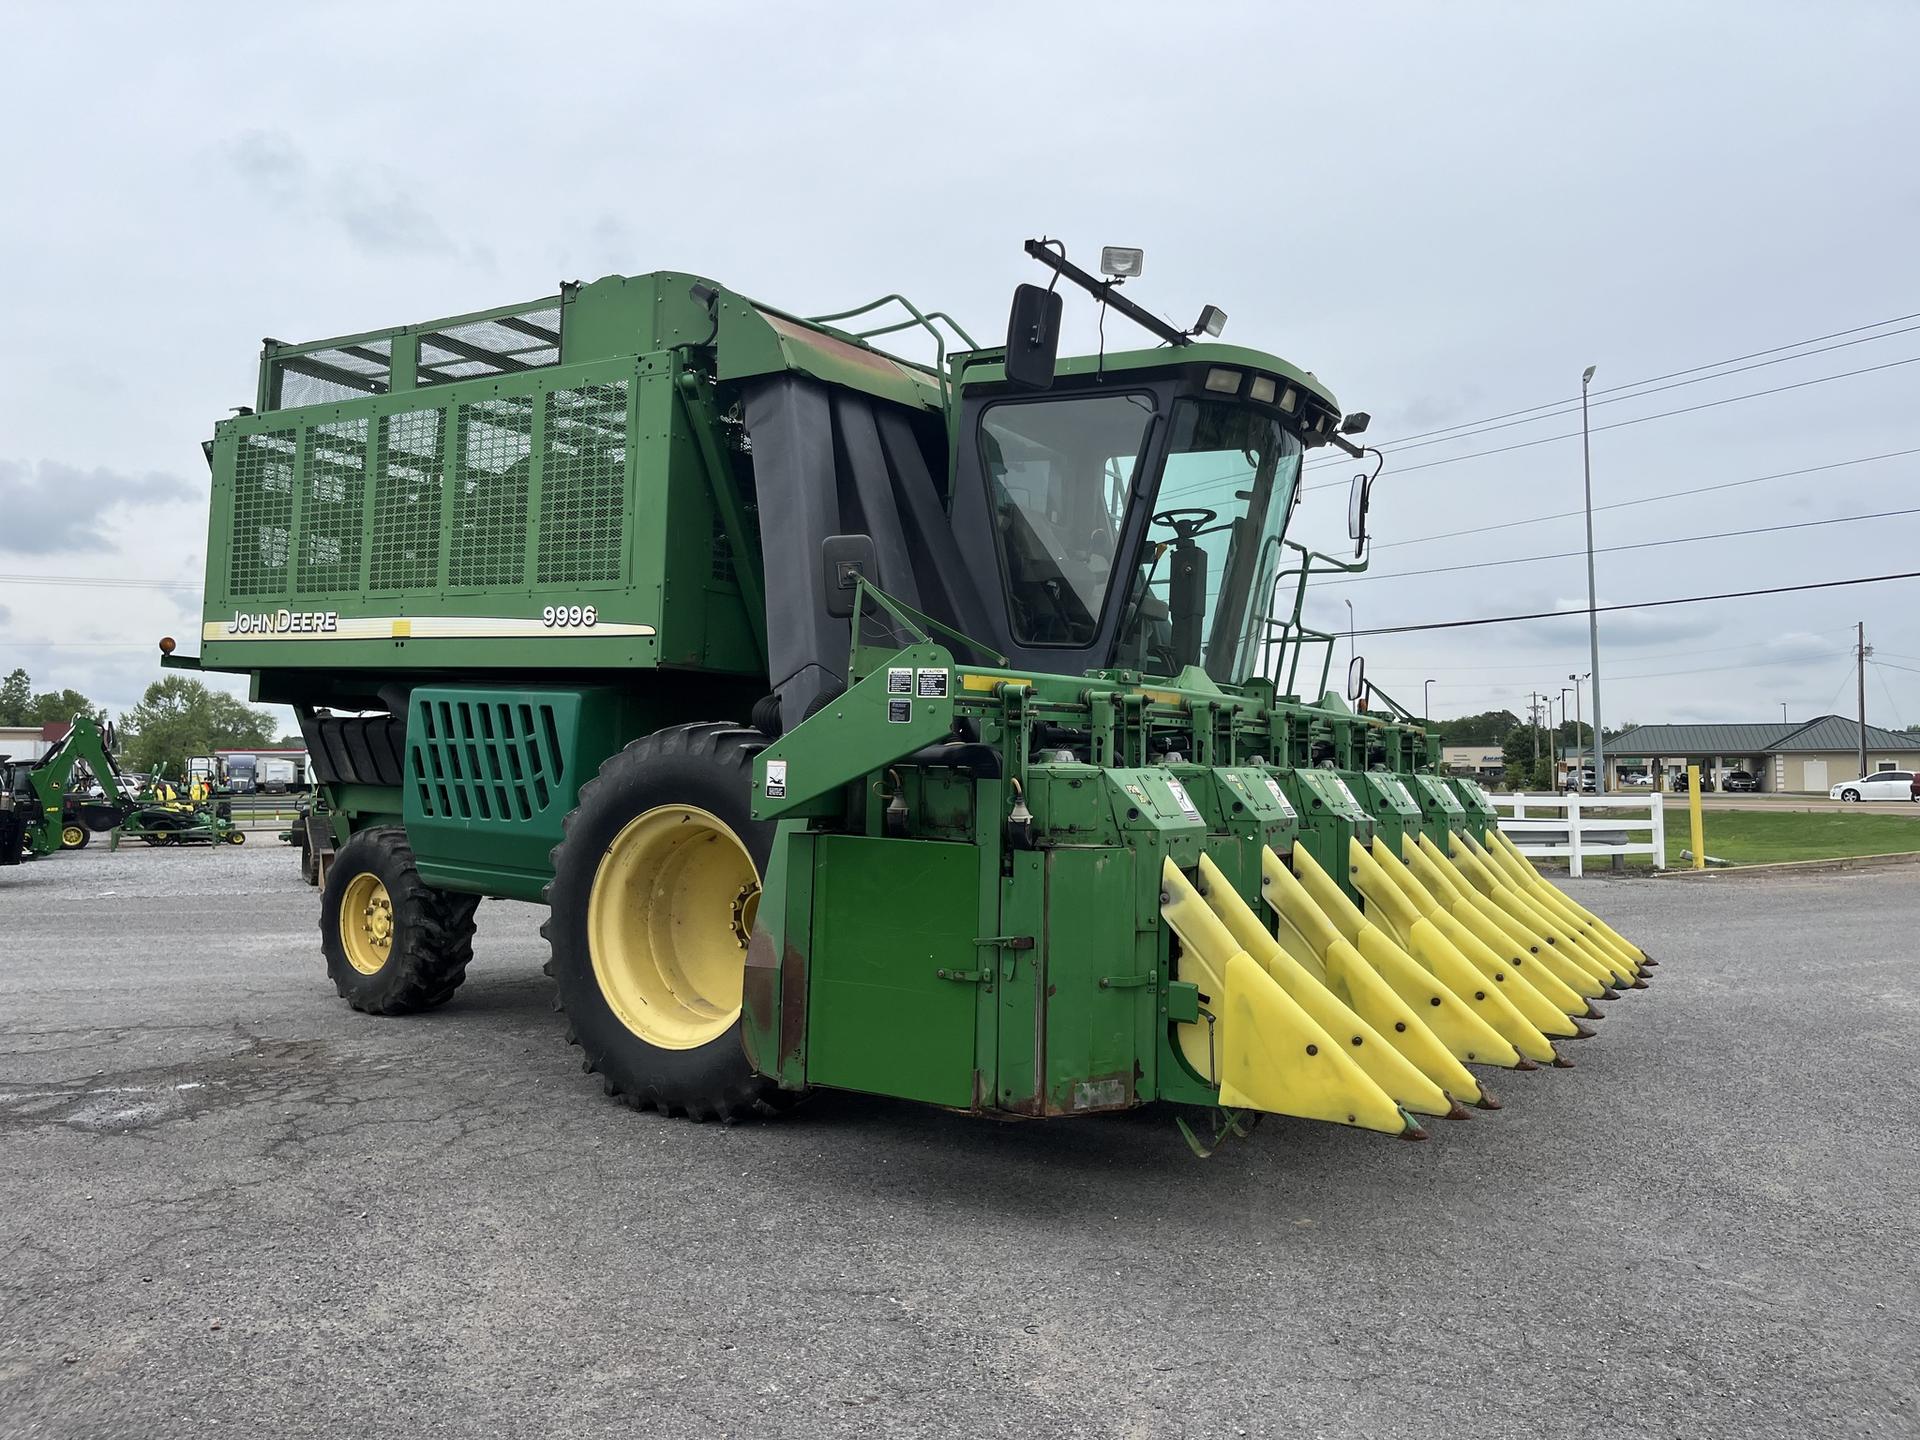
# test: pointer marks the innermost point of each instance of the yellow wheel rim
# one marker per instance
(72, 836)
(366, 924)
(668, 920)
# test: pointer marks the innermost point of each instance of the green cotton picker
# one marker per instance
(937, 730)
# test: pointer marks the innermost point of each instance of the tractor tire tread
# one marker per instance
(732, 1091)
(435, 928)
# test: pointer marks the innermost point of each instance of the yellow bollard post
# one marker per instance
(1693, 813)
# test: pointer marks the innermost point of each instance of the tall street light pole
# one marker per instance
(1579, 730)
(1593, 610)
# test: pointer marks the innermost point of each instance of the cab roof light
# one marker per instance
(1223, 382)
(1262, 389)
(1289, 400)
(1122, 262)
(1211, 322)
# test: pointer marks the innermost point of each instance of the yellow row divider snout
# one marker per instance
(1272, 1055)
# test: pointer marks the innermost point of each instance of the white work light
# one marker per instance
(1211, 322)
(1122, 262)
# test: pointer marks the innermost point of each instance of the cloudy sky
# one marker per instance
(1445, 211)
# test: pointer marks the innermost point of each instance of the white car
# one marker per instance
(1881, 785)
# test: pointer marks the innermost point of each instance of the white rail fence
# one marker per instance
(1581, 826)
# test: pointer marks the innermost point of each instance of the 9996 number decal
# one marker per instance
(568, 617)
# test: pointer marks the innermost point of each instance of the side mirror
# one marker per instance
(845, 559)
(1356, 677)
(1033, 337)
(1358, 499)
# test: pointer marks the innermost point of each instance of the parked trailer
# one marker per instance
(930, 730)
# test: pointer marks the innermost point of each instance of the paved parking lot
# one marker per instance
(228, 1205)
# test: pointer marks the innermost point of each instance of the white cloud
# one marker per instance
(53, 508)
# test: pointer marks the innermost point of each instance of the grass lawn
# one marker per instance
(1751, 837)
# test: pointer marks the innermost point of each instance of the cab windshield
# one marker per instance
(1201, 591)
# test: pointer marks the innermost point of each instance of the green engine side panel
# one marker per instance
(491, 774)
(888, 916)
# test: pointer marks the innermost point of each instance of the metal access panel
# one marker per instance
(1101, 988)
(1440, 810)
(534, 519)
(491, 773)
(895, 974)
(1330, 816)
(1395, 812)
(1479, 814)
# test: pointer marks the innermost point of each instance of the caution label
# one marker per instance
(1182, 799)
(930, 684)
(899, 680)
(776, 779)
(1279, 798)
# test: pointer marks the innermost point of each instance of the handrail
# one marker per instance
(919, 320)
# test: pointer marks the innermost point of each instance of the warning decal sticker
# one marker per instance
(1182, 799)
(776, 779)
(1279, 799)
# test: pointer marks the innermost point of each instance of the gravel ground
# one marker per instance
(229, 1205)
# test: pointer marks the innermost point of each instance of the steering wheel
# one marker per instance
(1186, 529)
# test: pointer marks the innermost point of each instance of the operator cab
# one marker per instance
(1135, 502)
(1136, 507)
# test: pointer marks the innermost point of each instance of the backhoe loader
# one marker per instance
(47, 815)
(943, 729)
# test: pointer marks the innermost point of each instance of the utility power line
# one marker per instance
(1572, 407)
(1643, 652)
(100, 582)
(1637, 605)
(1659, 415)
(1646, 499)
(1616, 549)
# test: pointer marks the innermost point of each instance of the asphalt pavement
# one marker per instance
(230, 1205)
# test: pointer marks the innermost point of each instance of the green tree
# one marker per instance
(16, 694)
(60, 705)
(20, 706)
(179, 716)
(1489, 727)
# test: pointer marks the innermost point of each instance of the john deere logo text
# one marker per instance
(284, 622)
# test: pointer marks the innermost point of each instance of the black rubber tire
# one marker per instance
(86, 836)
(708, 765)
(433, 929)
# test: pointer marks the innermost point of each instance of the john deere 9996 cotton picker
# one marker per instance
(929, 730)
